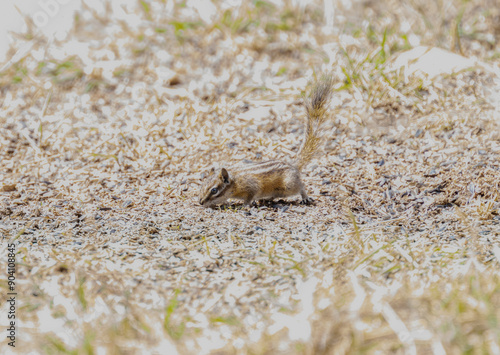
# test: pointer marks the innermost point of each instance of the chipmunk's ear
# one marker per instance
(224, 175)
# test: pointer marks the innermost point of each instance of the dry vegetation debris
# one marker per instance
(102, 150)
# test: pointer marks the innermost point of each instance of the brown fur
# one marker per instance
(316, 114)
(271, 179)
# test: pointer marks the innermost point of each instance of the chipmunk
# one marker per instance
(272, 179)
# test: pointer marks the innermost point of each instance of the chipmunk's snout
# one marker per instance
(203, 201)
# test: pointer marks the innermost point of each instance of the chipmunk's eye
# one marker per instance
(214, 191)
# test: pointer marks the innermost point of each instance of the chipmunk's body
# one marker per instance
(271, 179)
(254, 181)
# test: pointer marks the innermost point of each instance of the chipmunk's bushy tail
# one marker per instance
(316, 112)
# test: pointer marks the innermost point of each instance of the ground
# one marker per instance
(106, 134)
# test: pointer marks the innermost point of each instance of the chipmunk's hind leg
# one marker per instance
(294, 186)
(306, 200)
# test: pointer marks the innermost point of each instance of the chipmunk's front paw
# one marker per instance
(307, 201)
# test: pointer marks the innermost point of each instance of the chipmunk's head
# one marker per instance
(214, 188)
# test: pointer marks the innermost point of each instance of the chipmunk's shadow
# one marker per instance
(277, 205)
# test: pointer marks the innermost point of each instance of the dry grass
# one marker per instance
(101, 155)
